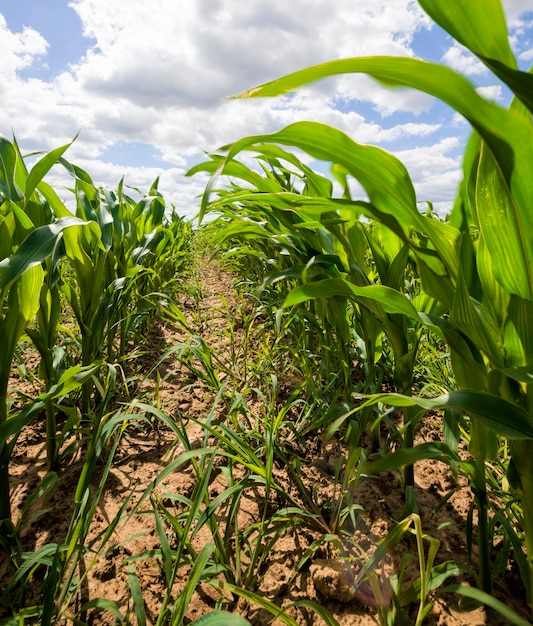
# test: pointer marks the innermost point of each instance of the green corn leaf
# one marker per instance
(236, 170)
(165, 547)
(71, 379)
(508, 133)
(464, 210)
(82, 248)
(42, 167)
(494, 296)
(279, 613)
(56, 204)
(315, 184)
(408, 456)
(395, 275)
(43, 556)
(7, 230)
(491, 121)
(479, 25)
(76, 172)
(438, 575)
(220, 618)
(488, 600)
(34, 249)
(216, 503)
(32, 509)
(500, 415)
(10, 428)
(104, 605)
(321, 611)
(49, 592)
(357, 237)
(469, 368)
(136, 593)
(192, 582)
(383, 176)
(28, 289)
(477, 323)
(521, 374)
(24, 224)
(9, 158)
(22, 305)
(389, 299)
(504, 228)
(439, 287)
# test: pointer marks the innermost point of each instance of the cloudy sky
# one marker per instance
(146, 84)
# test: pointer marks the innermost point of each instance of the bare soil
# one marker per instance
(144, 453)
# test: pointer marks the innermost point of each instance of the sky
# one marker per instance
(147, 85)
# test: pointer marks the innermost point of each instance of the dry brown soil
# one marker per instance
(144, 453)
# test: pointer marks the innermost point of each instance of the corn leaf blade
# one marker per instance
(34, 249)
(500, 415)
(391, 301)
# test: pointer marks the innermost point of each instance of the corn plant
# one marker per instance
(478, 264)
(121, 251)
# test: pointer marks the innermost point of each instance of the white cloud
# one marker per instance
(458, 121)
(516, 8)
(19, 50)
(407, 130)
(195, 54)
(461, 60)
(171, 66)
(491, 92)
(175, 158)
(527, 55)
(434, 171)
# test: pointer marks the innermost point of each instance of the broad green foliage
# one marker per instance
(108, 260)
(474, 271)
(25, 248)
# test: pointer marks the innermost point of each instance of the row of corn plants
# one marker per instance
(377, 272)
(79, 279)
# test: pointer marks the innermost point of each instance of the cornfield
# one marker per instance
(358, 319)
